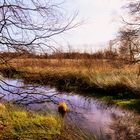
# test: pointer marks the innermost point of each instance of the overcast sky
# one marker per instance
(101, 22)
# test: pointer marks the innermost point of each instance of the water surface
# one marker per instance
(85, 112)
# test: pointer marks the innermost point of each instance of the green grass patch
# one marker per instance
(17, 124)
(132, 104)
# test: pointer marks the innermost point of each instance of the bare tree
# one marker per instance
(28, 26)
(129, 34)
(129, 45)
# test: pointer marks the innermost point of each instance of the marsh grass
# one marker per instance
(16, 123)
(75, 133)
(98, 78)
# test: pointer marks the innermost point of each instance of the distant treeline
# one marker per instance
(77, 55)
(63, 55)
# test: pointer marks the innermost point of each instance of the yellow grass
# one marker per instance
(98, 71)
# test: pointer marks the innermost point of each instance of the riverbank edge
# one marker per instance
(118, 93)
(19, 123)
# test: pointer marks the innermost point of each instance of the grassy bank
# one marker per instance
(110, 81)
(120, 94)
(17, 123)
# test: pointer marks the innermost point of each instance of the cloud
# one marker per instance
(99, 26)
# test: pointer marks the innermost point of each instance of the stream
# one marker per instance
(87, 113)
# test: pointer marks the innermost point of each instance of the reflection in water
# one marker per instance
(87, 113)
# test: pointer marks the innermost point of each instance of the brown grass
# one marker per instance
(113, 79)
(106, 75)
(98, 71)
